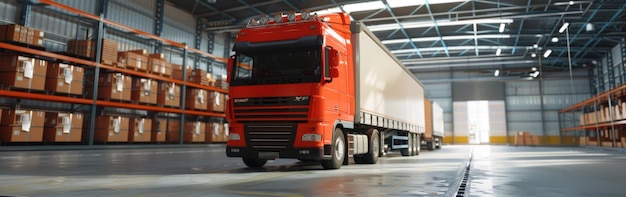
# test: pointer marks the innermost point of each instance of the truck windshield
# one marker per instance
(299, 65)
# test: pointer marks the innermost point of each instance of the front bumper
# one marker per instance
(310, 154)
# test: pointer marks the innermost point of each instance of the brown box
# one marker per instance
(159, 67)
(142, 52)
(177, 71)
(10, 32)
(112, 86)
(63, 127)
(197, 99)
(582, 141)
(607, 144)
(64, 78)
(528, 140)
(133, 61)
(173, 131)
(194, 132)
(144, 91)
(21, 126)
(22, 72)
(159, 130)
(519, 138)
(140, 130)
(216, 132)
(160, 56)
(221, 83)
(168, 94)
(111, 129)
(535, 140)
(87, 48)
(218, 101)
(200, 77)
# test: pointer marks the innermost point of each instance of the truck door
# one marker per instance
(343, 91)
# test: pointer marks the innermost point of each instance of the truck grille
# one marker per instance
(270, 137)
(271, 109)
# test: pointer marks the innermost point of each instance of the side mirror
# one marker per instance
(229, 68)
(333, 62)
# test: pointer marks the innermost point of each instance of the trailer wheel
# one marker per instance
(418, 144)
(254, 162)
(431, 145)
(374, 147)
(409, 150)
(338, 151)
(438, 144)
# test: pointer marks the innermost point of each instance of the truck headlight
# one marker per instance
(234, 136)
(312, 137)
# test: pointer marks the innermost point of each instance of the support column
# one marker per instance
(211, 49)
(623, 58)
(600, 77)
(103, 7)
(158, 24)
(25, 14)
(198, 40)
(183, 98)
(593, 82)
(609, 70)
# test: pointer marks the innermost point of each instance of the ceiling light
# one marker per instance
(533, 68)
(440, 23)
(358, 7)
(535, 46)
(534, 74)
(571, 2)
(555, 39)
(431, 39)
(589, 27)
(564, 27)
(498, 51)
(533, 55)
(547, 53)
(497, 73)
(501, 28)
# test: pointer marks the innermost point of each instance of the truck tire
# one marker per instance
(418, 146)
(409, 150)
(254, 162)
(438, 144)
(338, 151)
(430, 145)
(374, 147)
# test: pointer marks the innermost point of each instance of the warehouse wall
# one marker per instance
(524, 111)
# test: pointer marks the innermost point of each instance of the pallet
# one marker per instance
(30, 46)
(13, 88)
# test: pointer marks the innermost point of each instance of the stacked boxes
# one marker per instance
(111, 129)
(197, 99)
(158, 65)
(62, 127)
(140, 130)
(134, 60)
(173, 131)
(144, 91)
(22, 72)
(525, 138)
(18, 33)
(168, 94)
(159, 128)
(21, 125)
(218, 103)
(87, 48)
(216, 132)
(194, 132)
(177, 71)
(519, 138)
(64, 78)
(112, 86)
(200, 77)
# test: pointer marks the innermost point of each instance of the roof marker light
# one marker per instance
(291, 17)
(263, 20)
(278, 18)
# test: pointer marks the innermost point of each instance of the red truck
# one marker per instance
(319, 88)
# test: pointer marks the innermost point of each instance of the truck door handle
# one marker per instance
(336, 108)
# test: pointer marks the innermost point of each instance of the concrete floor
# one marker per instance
(205, 171)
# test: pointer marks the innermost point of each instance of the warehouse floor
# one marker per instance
(205, 171)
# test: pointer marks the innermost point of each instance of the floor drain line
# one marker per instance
(464, 183)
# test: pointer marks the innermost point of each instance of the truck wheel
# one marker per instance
(417, 144)
(438, 144)
(338, 151)
(430, 145)
(408, 151)
(254, 162)
(374, 147)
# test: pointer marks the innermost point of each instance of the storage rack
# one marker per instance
(600, 120)
(95, 103)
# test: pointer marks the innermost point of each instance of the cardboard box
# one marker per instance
(144, 91)
(519, 138)
(197, 99)
(218, 103)
(10, 32)
(115, 86)
(200, 77)
(168, 94)
(535, 140)
(63, 127)
(159, 67)
(111, 129)
(528, 140)
(17, 33)
(607, 144)
(133, 61)
(160, 56)
(64, 78)
(88, 48)
(177, 71)
(221, 83)
(216, 132)
(173, 131)
(22, 72)
(159, 130)
(194, 132)
(140, 130)
(21, 125)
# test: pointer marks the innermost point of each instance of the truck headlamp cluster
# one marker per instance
(280, 18)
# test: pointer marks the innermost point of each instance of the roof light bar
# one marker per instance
(564, 27)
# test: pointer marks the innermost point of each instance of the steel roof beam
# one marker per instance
(402, 29)
(443, 43)
(618, 13)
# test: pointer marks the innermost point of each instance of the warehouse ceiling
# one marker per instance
(478, 36)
